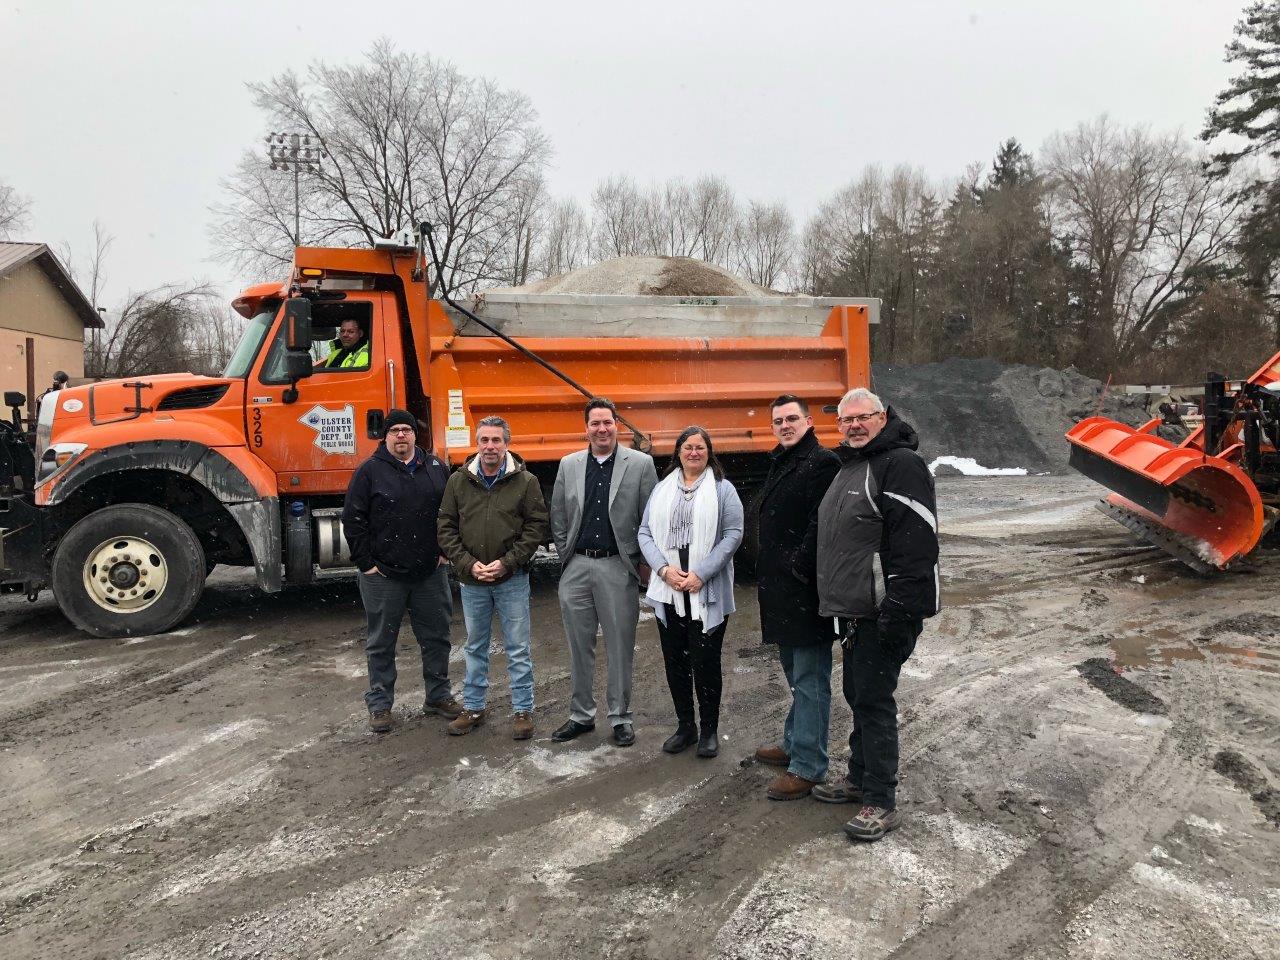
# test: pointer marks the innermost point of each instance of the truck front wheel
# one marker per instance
(128, 570)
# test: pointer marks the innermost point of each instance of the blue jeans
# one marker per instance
(804, 737)
(510, 600)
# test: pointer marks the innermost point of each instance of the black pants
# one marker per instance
(872, 663)
(430, 605)
(693, 666)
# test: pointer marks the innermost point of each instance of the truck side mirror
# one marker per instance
(297, 325)
(297, 366)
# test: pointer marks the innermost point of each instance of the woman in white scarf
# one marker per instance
(692, 525)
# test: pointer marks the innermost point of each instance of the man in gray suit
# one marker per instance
(596, 508)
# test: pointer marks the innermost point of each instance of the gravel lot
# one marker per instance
(1090, 768)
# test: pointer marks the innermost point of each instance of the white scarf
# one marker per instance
(706, 517)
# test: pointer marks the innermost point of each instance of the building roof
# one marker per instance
(14, 255)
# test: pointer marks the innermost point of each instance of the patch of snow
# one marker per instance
(971, 468)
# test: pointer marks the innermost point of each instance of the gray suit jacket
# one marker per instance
(634, 477)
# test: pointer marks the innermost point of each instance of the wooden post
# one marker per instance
(31, 382)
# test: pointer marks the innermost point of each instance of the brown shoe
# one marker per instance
(790, 787)
(448, 707)
(380, 721)
(465, 722)
(774, 757)
(522, 726)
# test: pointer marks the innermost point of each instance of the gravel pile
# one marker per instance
(1001, 416)
(647, 277)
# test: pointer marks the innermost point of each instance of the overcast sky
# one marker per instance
(131, 112)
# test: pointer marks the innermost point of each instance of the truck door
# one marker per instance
(315, 443)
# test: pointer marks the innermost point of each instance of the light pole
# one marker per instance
(296, 152)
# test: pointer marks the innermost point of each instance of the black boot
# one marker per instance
(686, 736)
(708, 743)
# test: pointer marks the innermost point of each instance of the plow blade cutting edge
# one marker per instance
(1203, 510)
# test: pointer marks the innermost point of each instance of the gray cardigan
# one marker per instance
(716, 568)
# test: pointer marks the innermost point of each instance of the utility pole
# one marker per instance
(296, 152)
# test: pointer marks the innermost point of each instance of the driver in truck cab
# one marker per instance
(350, 350)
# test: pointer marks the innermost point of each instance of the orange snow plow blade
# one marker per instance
(1203, 510)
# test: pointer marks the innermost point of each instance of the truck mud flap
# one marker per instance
(21, 544)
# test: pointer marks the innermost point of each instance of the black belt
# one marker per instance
(595, 554)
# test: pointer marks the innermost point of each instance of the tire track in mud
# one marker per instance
(733, 796)
(1038, 894)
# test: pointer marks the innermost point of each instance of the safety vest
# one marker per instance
(356, 358)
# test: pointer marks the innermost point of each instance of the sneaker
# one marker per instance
(465, 722)
(522, 725)
(838, 791)
(789, 787)
(773, 757)
(449, 707)
(872, 823)
(380, 721)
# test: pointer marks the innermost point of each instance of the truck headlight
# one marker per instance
(44, 423)
(57, 458)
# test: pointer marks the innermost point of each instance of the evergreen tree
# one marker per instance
(1249, 109)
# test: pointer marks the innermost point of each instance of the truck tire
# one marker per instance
(128, 570)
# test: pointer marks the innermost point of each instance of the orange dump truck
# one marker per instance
(140, 487)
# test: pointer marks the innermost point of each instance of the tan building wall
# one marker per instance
(51, 354)
(31, 306)
(29, 301)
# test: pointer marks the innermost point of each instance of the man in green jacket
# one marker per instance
(492, 521)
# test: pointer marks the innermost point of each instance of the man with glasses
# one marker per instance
(878, 576)
(800, 472)
(389, 521)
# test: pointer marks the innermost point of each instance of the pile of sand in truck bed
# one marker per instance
(1001, 416)
(646, 277)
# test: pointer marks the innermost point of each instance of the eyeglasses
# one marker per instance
(399, 430)
(791, 418)
(859, 418)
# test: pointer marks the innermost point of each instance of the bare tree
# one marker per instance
(161, 330)
(1142, 217)
(714, 215)
(15, 212)
(408, 139)
(564, 239)
(616, 221)
(765, 243)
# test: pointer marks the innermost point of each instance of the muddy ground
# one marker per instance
(1090, 767)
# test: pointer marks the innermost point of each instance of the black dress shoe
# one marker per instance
(623, 735)
(684, 738)
(570, 730)
(708, 744)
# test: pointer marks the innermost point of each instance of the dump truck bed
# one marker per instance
(717, 364)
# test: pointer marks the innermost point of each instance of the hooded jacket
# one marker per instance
(506, 522)
(786, 563)
(389, 518)
(878, 531)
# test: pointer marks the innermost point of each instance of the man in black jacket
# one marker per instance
(390, 524)
(786, 578)
(878, 576)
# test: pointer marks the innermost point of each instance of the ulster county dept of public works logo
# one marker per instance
(335, 429)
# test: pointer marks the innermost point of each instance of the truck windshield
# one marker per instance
(251, 340)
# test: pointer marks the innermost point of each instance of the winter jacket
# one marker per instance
(389, 518)
(787, 563)
(341, 357)
(878, 531)
(507, 521)
(715, 570)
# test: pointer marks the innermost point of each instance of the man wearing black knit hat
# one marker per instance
(389, 521)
